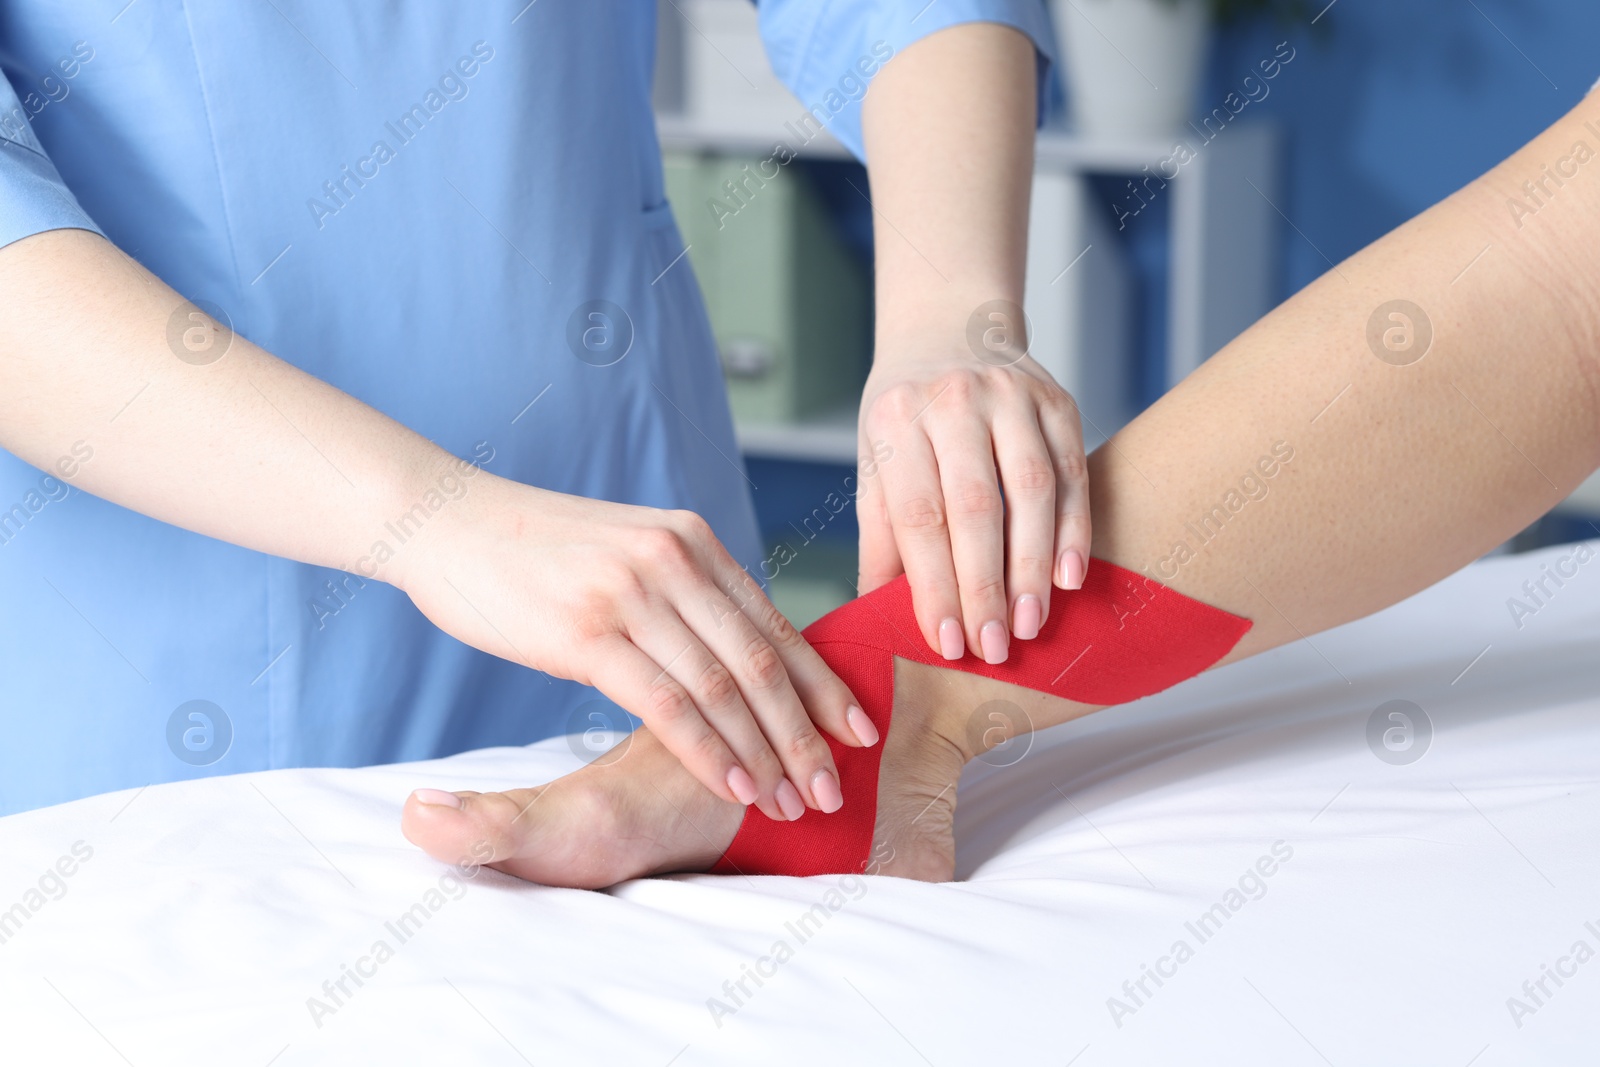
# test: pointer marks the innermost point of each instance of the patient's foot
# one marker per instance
(637, 812)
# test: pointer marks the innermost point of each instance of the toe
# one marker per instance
(479, 828)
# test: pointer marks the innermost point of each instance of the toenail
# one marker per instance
(861, 726)
(992, 638)
(951, 644)
(437, 797)
(789, 802)
(741, 785)
(826, 789)
(1028, 617)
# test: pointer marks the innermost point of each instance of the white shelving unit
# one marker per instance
(1224, 232)
(716, 93)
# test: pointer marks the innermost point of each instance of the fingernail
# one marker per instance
(1072, 570)
(861, 726)
(992, 639)
(951, 644)
(826, 790)
(437, 797)
(741, 785)
(1027, 617)
(789, 802)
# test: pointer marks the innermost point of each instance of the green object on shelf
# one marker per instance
(813, 578)
(788, 301)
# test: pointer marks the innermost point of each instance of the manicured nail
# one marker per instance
(951, 644)
(992, 639)
(826, 790)
(1072, 570)
(741, 785)
(861, 726)
(788, 798)
(437, 797)
(1027, 617)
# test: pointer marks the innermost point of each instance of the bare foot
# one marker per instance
(637, 811)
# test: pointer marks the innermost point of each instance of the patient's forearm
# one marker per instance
(1400, 474)
(1385, 474)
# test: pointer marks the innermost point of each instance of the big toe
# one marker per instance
(469, 827)
(599, 826)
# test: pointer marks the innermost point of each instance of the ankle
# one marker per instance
(951, 711)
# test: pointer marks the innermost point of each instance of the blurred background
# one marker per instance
(1203, 160)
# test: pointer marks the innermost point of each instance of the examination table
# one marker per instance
(1377, 846)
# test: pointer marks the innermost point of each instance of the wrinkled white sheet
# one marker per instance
(1407, 904)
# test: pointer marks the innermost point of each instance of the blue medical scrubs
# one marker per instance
(451, 211)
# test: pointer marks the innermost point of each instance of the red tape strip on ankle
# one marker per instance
(1121, 637)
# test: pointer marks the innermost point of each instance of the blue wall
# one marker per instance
(1404, 101)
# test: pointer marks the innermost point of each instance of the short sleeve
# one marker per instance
(828, 51)
(33, 198)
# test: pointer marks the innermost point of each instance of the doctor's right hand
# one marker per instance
(648, 607)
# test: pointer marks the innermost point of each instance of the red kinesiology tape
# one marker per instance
(1121, 637)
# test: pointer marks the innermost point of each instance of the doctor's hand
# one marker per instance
(648, 607)
(985, 502)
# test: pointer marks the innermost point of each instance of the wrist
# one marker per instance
(438, 498)
(913, 329)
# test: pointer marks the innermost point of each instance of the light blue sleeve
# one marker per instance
(828, 51)
(33, 198)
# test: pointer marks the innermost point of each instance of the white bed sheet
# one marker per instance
(1417, 901)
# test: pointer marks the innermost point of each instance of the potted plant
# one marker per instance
(1132, 67)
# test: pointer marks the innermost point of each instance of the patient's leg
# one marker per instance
(1330, 461)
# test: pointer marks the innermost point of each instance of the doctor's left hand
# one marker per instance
(984, 502)
(648, 607)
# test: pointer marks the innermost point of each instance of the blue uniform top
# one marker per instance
(416, 203)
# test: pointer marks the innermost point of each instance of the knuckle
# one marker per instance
(717, 687)
(661, 546)
(777, 624)
(921, 513)
(896, 404)
(1073, 466)
(594, 615)
(1060, 403)
(763, 666)
(1032, 476)
(804, 749)
(592, 625)
(708, 750)
(1031, 566)
(1056, 398)
(766, 616)
(667, 704)
(975, 500)
(765, 768)
(960, 386)
(692, 525)
(1005, 381)
(986, 590)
